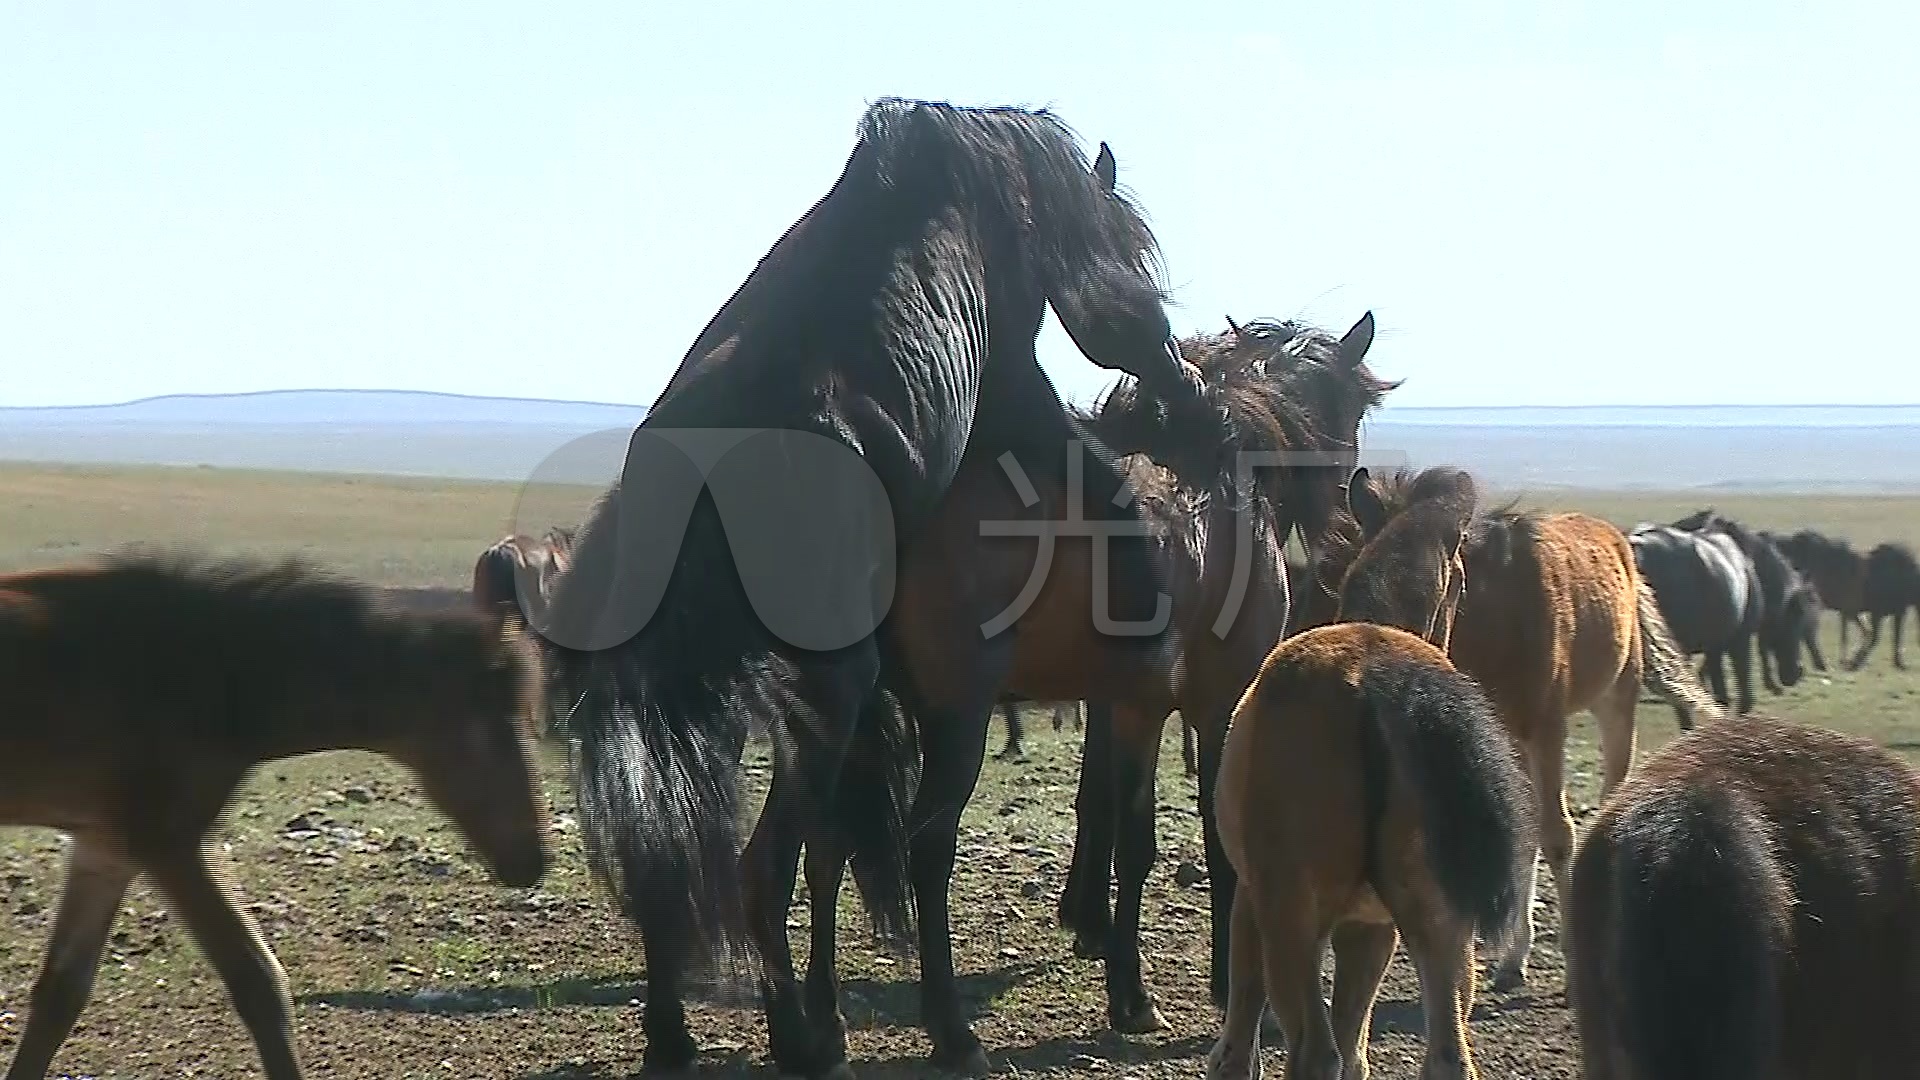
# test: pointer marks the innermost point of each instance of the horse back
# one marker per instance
(1297, 740)
(1550, 620)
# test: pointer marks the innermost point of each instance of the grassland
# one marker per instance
(407, 963)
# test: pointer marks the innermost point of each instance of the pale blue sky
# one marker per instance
(1546, 202)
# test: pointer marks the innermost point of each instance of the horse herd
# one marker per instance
(1378, 729)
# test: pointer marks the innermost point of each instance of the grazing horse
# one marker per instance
(140, 691)
(1838, 573)
(1748, 906)
(1294, 397)
(1709, 592)
(884, 349)
(1556, 619)
(518, 572)
(1789, 606)
(1367, 792)
(1890, 587)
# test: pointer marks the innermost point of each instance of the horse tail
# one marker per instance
(1663, 663)
(1699, 913)
(1430, 729)
(656, 692)
(870, 808)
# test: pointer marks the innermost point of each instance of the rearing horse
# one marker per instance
(881, 348)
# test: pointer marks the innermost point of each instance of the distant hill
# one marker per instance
(1786, 449)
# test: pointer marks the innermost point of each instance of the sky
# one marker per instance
(1548, 202)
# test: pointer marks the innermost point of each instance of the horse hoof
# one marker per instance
(1506, 982)
(1090, 946)
(1144, 1021)
(971, 1063)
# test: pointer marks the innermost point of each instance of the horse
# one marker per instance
(1368, 792)
(1709, 592)
(1789, 606)
(1556, 619)
(1838, 573)
(518, 571)
(1293, 397)
(1748, 905)
(1891, 585)
(142, 688)
(884, 350)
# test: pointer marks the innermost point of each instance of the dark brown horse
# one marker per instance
(1838, 573)
(1555, 619)
(1368, 793)
(884, 349)
(1747, 907)
(1890, 586)
(140, 690)
(1789, 606)
(1293, 396)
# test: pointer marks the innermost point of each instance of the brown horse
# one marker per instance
(1556, 618)
(1294, 395)
(517, 572)
(139, 692)
(1747, 905)
(1368, 792)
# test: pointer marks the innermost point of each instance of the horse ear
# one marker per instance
(1356, 341)
(1364, 503)
(1103, 168)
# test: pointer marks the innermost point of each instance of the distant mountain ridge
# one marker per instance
(354, 407)
(1815, 448)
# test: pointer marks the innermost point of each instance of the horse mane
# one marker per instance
(1277, 386)
(1024, 166)
(1503, 534)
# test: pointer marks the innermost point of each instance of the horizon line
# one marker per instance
(632, 405)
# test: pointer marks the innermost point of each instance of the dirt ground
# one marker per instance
(406, 962)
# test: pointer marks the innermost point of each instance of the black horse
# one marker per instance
(1789, 604)
(1709, 592)
(1891, 586)
(894, 326)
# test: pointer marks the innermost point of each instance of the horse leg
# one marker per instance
(1766, 671)
(1899, 629)
(771, 859)
(1743, 671)
(1361, 952)
(954, 744)
(1811, 637)
(1715, 676)
(1441, 948)
(96, 882)
(1189, 747)
(1137, 734)
(1012, 751)
(670, 1047)
(826, 866)
(1614, 715)
(1236, 1053)
(1545, 753)
(1221, 877)
(1294, 941)
(1084, 902)
(1872, 631)
(198, 884)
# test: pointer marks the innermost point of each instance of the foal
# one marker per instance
(1368, 790)
(141, 689)
(1747, 907)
